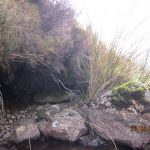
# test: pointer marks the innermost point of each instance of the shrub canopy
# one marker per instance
(40, 43)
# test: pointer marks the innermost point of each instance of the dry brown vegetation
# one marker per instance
(40, 41)
(41, 44)
(110, 67)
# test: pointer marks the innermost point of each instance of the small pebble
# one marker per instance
(10, 121)
(13, 117)
(39, 108)
(13, 148)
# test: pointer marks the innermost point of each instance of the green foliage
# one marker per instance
(130, 88)
(123, 95)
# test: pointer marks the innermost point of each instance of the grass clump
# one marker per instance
(123, 95)
(108, 68)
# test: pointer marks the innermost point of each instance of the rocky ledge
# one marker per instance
(73, 122)
(131, 129)
(46, 120)
(130, 125)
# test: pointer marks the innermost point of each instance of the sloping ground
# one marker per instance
(40, 43)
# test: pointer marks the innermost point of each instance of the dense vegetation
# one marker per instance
(40, 44)
(44, 49)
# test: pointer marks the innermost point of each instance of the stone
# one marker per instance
(6, 136)
(66, 125)
(55, 108)
(13, 117)
(52, 110)
(43, 98)
(117, 125)
(47, 106)
(8, 115)
(13, 148)
(147, 96)
(147, 147)
(106, 94)
(24, 132)
(10, 121)
(39, 108)
(89, 140)
(1, 139)
(104, 100)
(22, 112)
(23, 116)
(0, 135)
(3, 121)
(3, 148)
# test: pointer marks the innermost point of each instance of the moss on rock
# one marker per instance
(123, 95)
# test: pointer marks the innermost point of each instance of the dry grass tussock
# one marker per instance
(110, 67)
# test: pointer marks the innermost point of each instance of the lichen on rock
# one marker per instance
(123, 95)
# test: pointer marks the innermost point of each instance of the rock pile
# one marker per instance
(47, 120)
(8, 123)
(64, 122)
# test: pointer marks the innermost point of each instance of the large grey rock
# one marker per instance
(66, 125)
(117, 125)
(25, 132)
(43, 98)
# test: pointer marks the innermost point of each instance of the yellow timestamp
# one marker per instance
(143, 128)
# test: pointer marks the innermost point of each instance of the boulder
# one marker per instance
(119, 125)
(43, 98)
(25, 132)
(66, 125)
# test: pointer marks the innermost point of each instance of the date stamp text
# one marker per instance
(143, 128)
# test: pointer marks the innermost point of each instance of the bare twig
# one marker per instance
(30, 148)
(91, 124)
(2, 104)
(65, 87)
